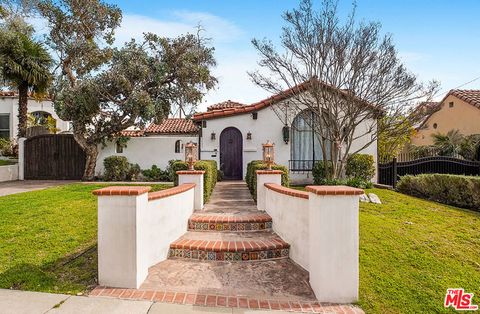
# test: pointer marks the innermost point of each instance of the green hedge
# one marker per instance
(457, 190)
(360, 166)
(209, 178)
(251, 177)
(360, 169)
(117, 168)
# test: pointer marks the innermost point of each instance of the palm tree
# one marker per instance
(25, 65)
(448, 144)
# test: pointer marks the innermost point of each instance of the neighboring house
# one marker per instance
(232, 134)
(459, 109)
(9, 114)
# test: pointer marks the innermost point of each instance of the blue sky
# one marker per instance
(436, 38)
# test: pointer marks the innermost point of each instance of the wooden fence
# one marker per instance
(389, 172)
(53, 157)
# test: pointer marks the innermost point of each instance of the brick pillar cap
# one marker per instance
(122, 190)
(333, 190)
(190, 172)
(269, 172)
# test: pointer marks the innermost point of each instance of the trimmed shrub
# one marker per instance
(209, 178)
(319, 172)
(457, 190)
(360, 166)
(116, 168)
(251, 177)
(133, 172)
(156, 174)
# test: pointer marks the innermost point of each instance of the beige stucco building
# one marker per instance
(459, 109)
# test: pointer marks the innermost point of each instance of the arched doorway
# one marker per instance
(231, 158)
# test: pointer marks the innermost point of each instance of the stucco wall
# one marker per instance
(9, 173)
(10, 105)
(146, 151)
(268, 126)
(461, 116)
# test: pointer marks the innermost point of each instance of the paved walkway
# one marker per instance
(14, 187)
(25, 302)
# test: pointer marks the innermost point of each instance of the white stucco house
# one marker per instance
(9, 113)
(232, 134)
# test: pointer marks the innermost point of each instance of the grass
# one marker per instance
(4, 162)
(48, 239)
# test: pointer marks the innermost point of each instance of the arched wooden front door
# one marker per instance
(231, 159)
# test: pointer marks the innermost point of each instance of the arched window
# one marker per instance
(178, 146)
(306, 147)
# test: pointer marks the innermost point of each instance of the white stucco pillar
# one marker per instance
(193, 176)
(266, 176)
(122, 262)
(334, 241)
(21, 158)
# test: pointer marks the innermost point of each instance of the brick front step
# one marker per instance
(234, 247)
(225, 301)
(229, 222)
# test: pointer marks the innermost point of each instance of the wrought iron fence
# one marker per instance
(301, 165)
(389, 172)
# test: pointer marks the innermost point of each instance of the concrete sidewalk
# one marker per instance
(14, 187)
(26, 302)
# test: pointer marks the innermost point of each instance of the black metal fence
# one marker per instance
(301, 165)
(389, 173)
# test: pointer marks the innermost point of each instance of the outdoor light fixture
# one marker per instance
(190, 154)
(249, 136)
(212, 136)
(286, 134)
(268, 154)
(254, 115)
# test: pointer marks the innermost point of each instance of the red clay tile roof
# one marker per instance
(14, 94)
(173, 126)
(133, 133)
(224, 105)
(471, 96)
(268, 102)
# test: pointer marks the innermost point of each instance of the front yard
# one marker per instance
(411, 250)
(48, 239)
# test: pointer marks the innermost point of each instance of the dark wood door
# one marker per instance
(54, 157)
(231, 159)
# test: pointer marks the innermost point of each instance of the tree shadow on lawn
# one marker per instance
(72, 274)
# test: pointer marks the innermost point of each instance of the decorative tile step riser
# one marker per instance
(240, 256)
(230, 226)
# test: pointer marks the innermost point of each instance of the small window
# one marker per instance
(5, 126)
(450, 104)
(178, 146)
(204, 124)
(119, 148)
(435, 125)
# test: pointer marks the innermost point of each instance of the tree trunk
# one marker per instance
(22, 109)
(91, 152)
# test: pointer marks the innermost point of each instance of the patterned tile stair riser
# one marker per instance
(230, 226)
(228, 256)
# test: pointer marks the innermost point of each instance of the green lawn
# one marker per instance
(48, 239)
(411, 250)
(4, 162)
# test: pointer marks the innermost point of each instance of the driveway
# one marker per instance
(14, 187)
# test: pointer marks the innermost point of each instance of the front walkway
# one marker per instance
(229, 258)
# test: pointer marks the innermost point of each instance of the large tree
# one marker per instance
(25, 64)
(345, 72)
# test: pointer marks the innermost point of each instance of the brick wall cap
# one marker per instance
(122, 190)
(269, 171)
(190, 172)
(171, 191)
(333, 190)
(287, 191)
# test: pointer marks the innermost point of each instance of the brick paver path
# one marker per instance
(229, 257)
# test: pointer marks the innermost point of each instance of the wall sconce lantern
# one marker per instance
(249, 135)
(191, 154)
(286, 134)
(213, 136)
(254, 115)
(268, 154)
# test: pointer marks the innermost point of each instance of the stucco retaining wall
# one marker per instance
(9, 173)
